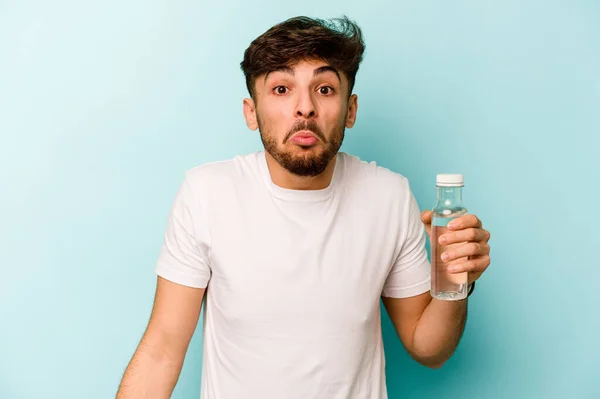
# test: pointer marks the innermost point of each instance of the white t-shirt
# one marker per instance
(294, 277)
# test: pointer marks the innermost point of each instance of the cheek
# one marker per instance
(283, 112)
(333, 117)
(274, 122)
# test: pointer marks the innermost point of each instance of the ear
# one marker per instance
(352, 110)
(250, 114)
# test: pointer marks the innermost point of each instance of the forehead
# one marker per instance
(308, 64)
(310, 67)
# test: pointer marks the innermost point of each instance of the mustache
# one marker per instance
(310, 126)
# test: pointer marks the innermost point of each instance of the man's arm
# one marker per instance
(156, 364)
(429, 329)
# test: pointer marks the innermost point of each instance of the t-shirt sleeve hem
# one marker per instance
(407, 292)
(180, 278)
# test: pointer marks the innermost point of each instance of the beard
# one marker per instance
(309, 163)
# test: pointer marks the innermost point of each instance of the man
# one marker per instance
(295, 246)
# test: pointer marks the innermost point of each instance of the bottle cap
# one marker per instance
(450, 180)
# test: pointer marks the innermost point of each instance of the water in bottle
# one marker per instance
(446, 285)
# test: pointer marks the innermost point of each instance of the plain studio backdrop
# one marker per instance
(105, 104)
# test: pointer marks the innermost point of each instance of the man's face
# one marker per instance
(302, 112)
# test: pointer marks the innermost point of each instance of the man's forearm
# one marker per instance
(149, 375)
(438, 331)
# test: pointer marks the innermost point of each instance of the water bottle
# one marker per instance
(444, 285)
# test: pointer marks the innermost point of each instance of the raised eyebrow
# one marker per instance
(325, 69)
(284, 69)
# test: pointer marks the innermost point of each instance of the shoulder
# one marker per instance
(379, 192)
(219, 174)
(374, 177)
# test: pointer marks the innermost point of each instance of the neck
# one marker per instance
(283, 178)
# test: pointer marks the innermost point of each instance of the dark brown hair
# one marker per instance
(339, 42)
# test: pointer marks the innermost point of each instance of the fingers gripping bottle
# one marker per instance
(445, 285)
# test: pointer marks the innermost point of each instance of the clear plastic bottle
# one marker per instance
(444, 285)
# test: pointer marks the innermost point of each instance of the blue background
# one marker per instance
(104, 105)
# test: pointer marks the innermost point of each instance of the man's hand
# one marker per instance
(465, 229)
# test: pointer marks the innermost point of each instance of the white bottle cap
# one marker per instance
(450, 180)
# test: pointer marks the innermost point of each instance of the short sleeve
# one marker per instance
(411, 273)
(183, 258)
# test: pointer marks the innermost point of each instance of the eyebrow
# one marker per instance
(316, 72)
(284, 69)
(325, 69)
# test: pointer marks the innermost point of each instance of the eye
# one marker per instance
(325, 90)
(280, 90)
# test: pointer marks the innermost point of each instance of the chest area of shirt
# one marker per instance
(287, 268)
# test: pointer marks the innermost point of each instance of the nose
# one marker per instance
(305, 108)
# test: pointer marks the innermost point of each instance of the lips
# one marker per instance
(304, 138)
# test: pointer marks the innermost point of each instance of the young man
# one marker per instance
(295, 245)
